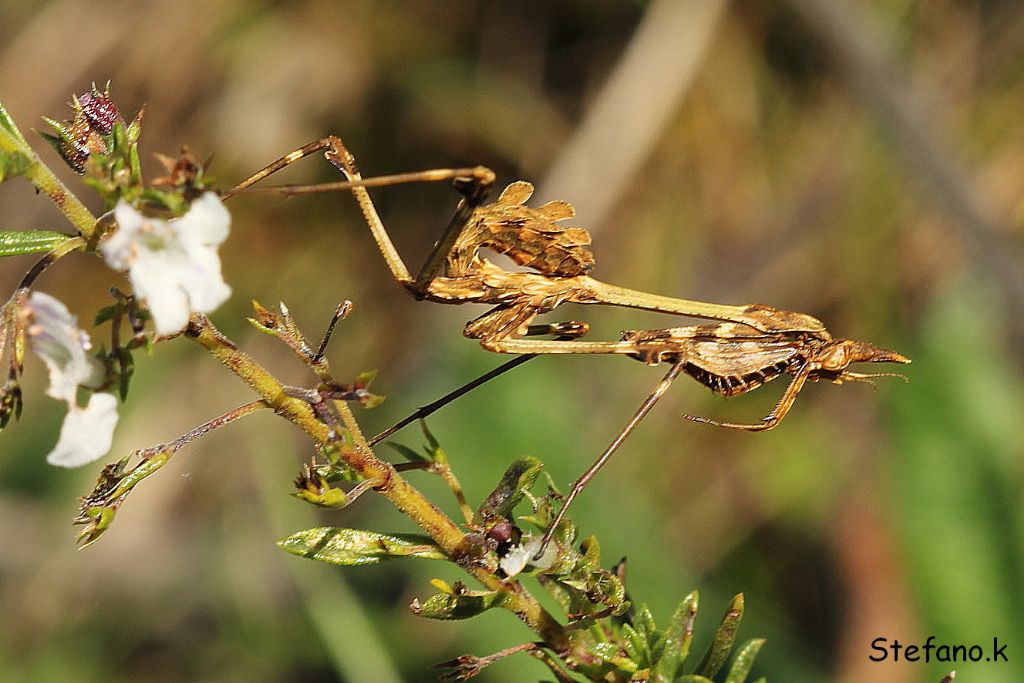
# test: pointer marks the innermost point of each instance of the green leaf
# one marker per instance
(369, 400)
(643, 622)
(449, 606)
(518, 478)
(693, 678)
(433, 447)
(744, 661)
(635, 645)
(125, 370)
(678, 636)
(363, 379)
(718, 651)
(104, 314)
(15, 242)
(13, 164)
(607, 651)
(432, 451)
(116, 481)
(10, 402)
(613, 654)
(408, 453)
(7, 123)
(355, 547)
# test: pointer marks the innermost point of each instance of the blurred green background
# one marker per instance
(860, 161)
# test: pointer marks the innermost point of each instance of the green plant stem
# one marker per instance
(391, 484)
(49, 184)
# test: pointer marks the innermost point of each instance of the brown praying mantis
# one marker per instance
(752, 345)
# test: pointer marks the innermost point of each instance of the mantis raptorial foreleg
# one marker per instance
(473, 182)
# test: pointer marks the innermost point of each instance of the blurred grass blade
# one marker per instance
(963, 477)
(355, 547)
(16, 242)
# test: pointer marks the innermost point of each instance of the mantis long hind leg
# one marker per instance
(579, 484)
(434, 406)
(564, 331)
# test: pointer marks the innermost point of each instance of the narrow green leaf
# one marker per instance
(607, 651)
(432, 442)
(450, 606)
(104, 314)
(635, 645)
(16, 242)
(433, 447)
(518, 478)
(693, 678)
(744, 661)
(718, 652)
(364, 378)
(678, 637)
(355, 547)
(13, 164)
(126, 368)
(643, 622)
(7, 123)
(372, 400)
(408, 453)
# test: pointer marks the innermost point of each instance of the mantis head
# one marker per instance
(833, 359)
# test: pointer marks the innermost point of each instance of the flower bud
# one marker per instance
(89, 132)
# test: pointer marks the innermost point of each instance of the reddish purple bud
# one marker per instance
(100, 111)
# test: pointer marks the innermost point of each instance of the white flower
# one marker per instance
(87, 432)
(519, 556)
(173, 265)
(54, 335)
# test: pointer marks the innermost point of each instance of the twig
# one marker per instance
(393, 486)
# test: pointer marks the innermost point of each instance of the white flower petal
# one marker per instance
(87, 433)
(207, 221)
(54, 336)
(117, 249)
(519, 556)
(173, 265)
(155, 279)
